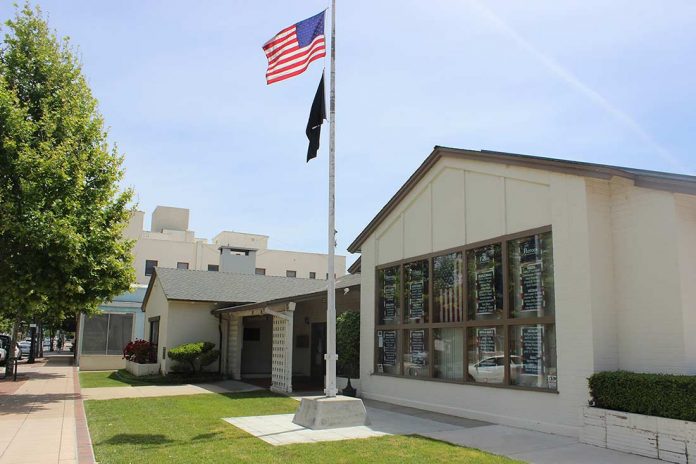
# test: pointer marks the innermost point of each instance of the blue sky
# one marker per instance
(181, 86)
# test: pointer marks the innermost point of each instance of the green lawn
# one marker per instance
(187, 429)
(123, 378)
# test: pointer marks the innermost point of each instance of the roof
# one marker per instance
(678, 183)
(356, 266)
(348, 280)
(227, 287)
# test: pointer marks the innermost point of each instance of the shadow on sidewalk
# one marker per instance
(23, 404)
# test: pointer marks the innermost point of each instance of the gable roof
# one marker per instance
(227, 287)
(348, 280)
(678, 183)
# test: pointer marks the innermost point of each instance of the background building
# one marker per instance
(170, 244)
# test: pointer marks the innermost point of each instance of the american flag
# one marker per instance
(291, 51)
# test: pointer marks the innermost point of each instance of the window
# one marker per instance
(480, 314)
(150, 265)
(290, 273)
(213, 267)
(260, 271)
(181, 265)
(312, 275)
(106, 334)
(252, 334)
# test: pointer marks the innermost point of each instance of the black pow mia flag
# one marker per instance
(316, 118)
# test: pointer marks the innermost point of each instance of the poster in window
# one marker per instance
(389, 348)
(531, 286)
(530, 249)
(418, 347)
(389, 295)
(485, 338)
(532, 350)
(416, 284)
(485, 291)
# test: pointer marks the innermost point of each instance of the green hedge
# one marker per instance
(663, 395)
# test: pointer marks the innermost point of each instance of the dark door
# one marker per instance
(318, 364)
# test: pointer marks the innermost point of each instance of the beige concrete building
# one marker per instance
(494, 285)
(169, 243)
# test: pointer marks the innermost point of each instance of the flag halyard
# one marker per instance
(291, 51)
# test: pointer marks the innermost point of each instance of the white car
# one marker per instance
(25, 347)
(492, 368)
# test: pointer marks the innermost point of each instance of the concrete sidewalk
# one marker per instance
(151, 391)
(40, 422)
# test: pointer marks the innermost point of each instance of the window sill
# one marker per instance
(464, 384)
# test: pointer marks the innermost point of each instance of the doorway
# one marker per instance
(318, 348)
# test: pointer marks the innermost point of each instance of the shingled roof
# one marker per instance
(227, 287)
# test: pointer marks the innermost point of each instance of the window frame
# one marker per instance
(505, 322)
(152, 268)
(288, 272)
(182, 265)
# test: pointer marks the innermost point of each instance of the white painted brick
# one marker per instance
(632, 440)
(633, 421)
(594, 435)
(673, 457)
(671, 443)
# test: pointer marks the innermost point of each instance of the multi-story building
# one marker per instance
(170, 244)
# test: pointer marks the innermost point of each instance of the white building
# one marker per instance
(493, 285)
(169, 243)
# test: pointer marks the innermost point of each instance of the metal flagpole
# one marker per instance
(331, 356)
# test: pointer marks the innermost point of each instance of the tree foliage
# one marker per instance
(196, 355)
(348, 343)
(61, 210)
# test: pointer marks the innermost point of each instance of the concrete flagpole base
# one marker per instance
(321, 412)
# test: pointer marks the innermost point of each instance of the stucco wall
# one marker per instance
(189, 322)
(686, 221)
(276, 262)
(157, 305)
(617, 287)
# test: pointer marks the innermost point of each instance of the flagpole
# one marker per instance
(331, 356)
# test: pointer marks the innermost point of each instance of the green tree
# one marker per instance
(61, 210)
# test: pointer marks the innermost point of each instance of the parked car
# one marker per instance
(25, 347)
(492, 369)
(5, 343)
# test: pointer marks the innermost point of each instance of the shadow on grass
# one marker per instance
(138, 439)
(206, 436)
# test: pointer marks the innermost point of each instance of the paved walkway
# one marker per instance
(41, 421)
(149, 391)
(389, 419)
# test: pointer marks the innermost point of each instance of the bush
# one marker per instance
(139, 351)
(348, 344)
(662, 395)
(196, 355)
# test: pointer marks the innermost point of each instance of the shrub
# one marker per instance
(348, 344)
(662, 395)
(139, 351)
(196, 355)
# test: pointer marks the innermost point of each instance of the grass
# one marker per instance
(123, 378)
(185, 429)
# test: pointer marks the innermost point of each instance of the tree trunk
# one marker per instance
(9, 364)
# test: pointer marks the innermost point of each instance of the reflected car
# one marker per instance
(492, 368)
(25, 347)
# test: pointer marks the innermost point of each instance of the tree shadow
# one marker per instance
(206, 436)
(138, 439)
(23, 404)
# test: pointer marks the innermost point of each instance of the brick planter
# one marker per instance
(669, 440)
(140, 370)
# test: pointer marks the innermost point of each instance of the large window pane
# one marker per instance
(416, 362)
(485, 282)
(388, 358)
(531, 276)
(448, 288)
(486, 348)
(94, 334)
(533, 356)
(120, 332)
(416, 278)
(389, 295)
(448, 351)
